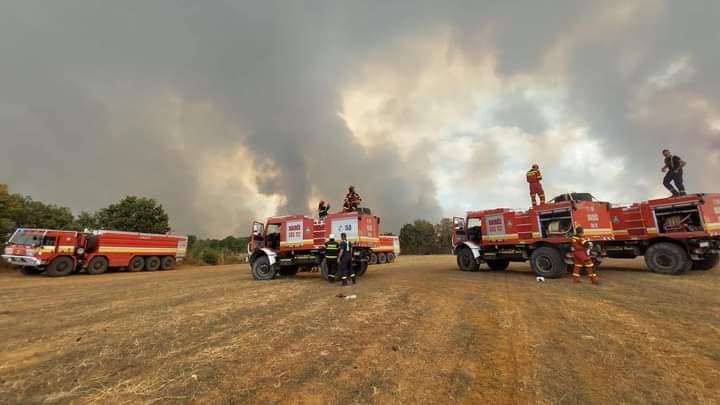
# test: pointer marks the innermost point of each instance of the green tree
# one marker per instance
(134, 214)
(443, 231)
(418, 238)
(86, 220)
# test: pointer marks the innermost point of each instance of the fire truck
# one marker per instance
(285, 245)
(60, 253)
(542, 235)
(388, 250)
(673, 234)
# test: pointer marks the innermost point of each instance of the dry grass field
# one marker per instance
(419, 331)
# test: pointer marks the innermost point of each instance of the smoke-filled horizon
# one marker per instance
(228, 111)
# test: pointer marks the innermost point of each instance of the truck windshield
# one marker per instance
(25, 238)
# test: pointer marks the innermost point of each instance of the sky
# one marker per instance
(229, 111)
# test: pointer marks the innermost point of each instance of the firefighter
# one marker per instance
(346, 267)
(323, 210)
(674, 168)
(331, 257)
(581, 258)
(352, 200)
(533, 178)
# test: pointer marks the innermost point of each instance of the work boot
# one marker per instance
(576, 278)
(594, 279)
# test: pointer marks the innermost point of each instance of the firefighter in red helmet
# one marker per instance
(581, 257)
(533, 178)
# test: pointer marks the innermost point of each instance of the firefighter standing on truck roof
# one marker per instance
(533, 178)
(331, 257)
(323, 210)
(346, 267)
(581, 258)
(352, 200)
(674, 168)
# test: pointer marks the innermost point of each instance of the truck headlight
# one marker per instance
(80, 251)
(704, 244)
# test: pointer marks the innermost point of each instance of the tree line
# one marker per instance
(424, 238)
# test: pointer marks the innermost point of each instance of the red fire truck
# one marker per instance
(387, 251)
(542, 235)
(287, 244)
(60, 253)
(674, 234)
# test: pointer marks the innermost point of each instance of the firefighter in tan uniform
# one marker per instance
(536, 189)
(581, 258)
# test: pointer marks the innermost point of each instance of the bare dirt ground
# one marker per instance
(419, 331)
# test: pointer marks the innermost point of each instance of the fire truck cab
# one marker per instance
(288, 244)
(542, 235)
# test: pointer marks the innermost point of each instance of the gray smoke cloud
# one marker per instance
(220, 109)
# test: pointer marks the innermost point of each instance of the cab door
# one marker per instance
(458, 231)
(257, 237)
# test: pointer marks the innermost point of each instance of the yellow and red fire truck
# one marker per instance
(60, 253)
(288, 244)
(673, 234)
(542, 235)
(387, 251)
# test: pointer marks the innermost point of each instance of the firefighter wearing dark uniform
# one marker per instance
(533, 178)
(346, 268)
(352, 200)
(323, 210)
(581, 258)
(331, 257)
(674, 168)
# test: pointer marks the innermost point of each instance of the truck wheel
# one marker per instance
(707, 263)
(167, 263)
(262, 270)
(97, 265)
(361, 269)
(152, 263)
(136, 264)
(61, 266)
(29, 271)
(373, 259)
(382, 258)
(466, 260)
(499, 264)
(390, 257)
(667, 258)
(547, 262)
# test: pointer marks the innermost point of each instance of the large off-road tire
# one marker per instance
(498, 264)
(97, 265)
(29, 271)
(262, 270)
(167, 263)
(390, 257)
(466, 260)
(382, 258)
(360, 268)
(667, 258)
(152, 263)
(137, 263)
(61, 266)
(547, 262)
(373, 259)
(707, 263)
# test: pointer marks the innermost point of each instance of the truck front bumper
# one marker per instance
(23, 260)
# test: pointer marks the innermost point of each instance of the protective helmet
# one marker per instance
(332, 236)
(351, 188)
(579, 230)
